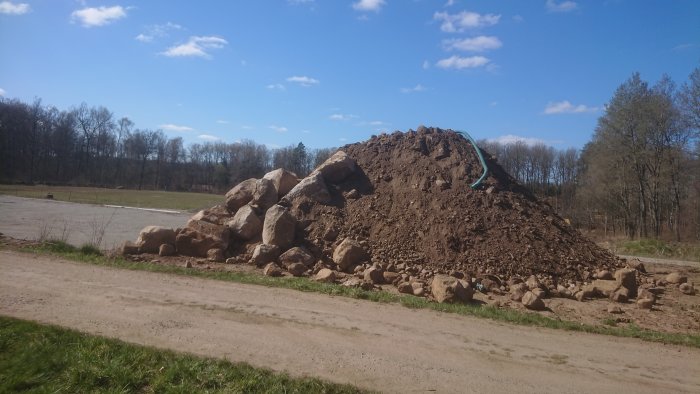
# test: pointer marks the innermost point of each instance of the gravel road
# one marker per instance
(383, 347)
(25, 218)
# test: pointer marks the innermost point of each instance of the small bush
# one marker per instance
(90, 250)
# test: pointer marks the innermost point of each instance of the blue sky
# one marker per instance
(330, 72)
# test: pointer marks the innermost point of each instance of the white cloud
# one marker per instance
(174, 127)
(459, 63)
(279, 129)
(417, 88)
(300, 2)
(518, 18)
(2, 92)
(100, 16)
(306, 131)
(303, 81)
(196, 46)
(377, 123)
(565, 107)
(342, 117)
(450, 3)
(208, 137)
(474, 44)
(564, 6)
(275, 86)
(369, 5)
(426, 64)
(452, 23)
(342, 139)
(157, 31)
(511, 139)
(10, 8)
(221, 121)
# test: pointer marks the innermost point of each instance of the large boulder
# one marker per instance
(199, 237)
(296, 255)
(217, 214)
(283, 180)
(313, 187)
(518, 290)
(245, 224)
(676, 278)
(602, 288)
(627, 278)
(349, 254)
(151, 237)
(278, 227)
(338, 167)
(263, 254)
(325, 275)
(272, 269)
(265, 194)
(374, 275)
(447, 288)
(297, 269)
(241, 194)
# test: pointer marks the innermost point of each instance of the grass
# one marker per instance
(658, 248)
(48, 359)
(132, 198)
(302, 284)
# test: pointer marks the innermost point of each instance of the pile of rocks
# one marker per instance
(397, 210)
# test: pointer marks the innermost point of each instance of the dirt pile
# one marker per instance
(395, 209)
(412, 202)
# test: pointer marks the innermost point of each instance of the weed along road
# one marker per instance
(383, 347)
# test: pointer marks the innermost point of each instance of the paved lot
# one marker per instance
(28, 218)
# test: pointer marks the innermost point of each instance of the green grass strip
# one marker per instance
(303, 284)
(47, 359)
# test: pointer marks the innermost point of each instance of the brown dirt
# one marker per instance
(416, 207)
(387, 348)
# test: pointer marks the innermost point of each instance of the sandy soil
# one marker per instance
(24, 218)
(383, 347)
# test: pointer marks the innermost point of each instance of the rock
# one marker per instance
(265, 194)
(297, 269)
(405, 288)
(539, 292)
(676, 278)
(686, 288)
(620, 295)
(419, 291)
(166, 250)
(390, 277)
(374, 275)
(241, 194)
(627, 278)
(348, 254)
(354, 282)
(297, 255)
(188, 264)
(533, 283)
(601, 288)
(217, 214)
(216, 255)
(128, 248)
(283, 180)
(517, 291)
(532, 301)
(263, 254)
(636, 265)
(467, 294)
(449, 289)
(612, 308)
(604, 275)
(646, 294)
(313, 187)
(245, 224)
(325, 275)
(151, 237)
(278, 227)
(199, 236)
(271, 269)
(338, 167)
(645, 303)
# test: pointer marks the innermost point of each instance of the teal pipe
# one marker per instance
(481, 159)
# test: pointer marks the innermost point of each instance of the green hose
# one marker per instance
(481, 158)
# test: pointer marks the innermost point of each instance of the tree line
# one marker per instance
(88, 145)
(639, 176)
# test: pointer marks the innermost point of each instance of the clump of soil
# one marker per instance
(411, 201)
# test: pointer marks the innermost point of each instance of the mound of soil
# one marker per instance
(410, 200)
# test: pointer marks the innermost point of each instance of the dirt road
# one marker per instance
(25, 218)
(375, 346)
